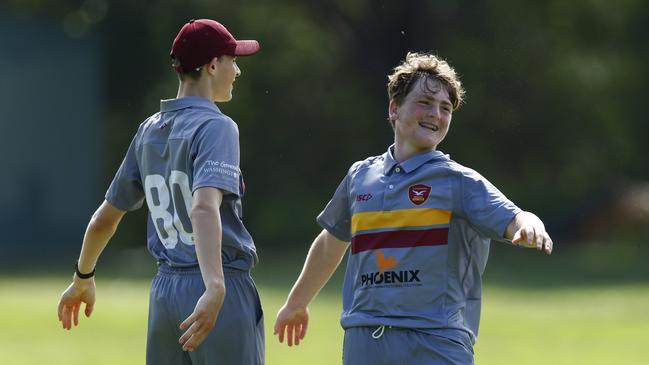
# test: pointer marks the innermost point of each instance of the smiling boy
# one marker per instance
(419, 226)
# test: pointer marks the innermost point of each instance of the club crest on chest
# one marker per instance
(419, 193)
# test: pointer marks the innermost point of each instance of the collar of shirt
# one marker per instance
(413, 162)
(169, 105)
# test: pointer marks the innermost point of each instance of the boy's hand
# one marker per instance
(80, 291)
(294, 321)
(533, 236)
(202, 320)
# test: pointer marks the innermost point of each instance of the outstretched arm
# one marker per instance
(527, 230)
(100, 229)
(324, 256)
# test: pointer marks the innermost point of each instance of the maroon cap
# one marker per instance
(201, 40)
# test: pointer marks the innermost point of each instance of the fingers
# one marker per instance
(524, 236)
(533, 237)
(549, 245)
(544, 242)
(530, 234)
(89, 309)
(518, 236)
(191, 338)
(69, 313)
(187, 322)
(66, 313)
(279, 331)
(303, 330)
(194, 336)
(199, 329)
(71, 301)
(59, 311)
(300, 331)
(75, 312)
(293, 332)
(289, 334)
(292, 325)
(191, 327)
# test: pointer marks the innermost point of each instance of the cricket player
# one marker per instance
(184, 161)
(420, 226)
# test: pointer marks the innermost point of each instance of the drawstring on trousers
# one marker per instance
(378, 332)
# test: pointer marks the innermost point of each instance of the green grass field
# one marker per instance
(557, 320)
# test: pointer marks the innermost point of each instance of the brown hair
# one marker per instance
(418, 65)
(193, 74)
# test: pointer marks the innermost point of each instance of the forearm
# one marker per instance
(206, 221)
(100, 230)
(323, 258)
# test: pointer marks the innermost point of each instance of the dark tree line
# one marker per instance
(555, 93)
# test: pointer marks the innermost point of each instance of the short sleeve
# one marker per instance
(485, 207)
(216, 151)
(125, 192)
(336, 216)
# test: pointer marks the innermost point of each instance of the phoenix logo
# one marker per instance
(386, 275)
(385, 263)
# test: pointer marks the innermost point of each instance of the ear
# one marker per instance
(392, 110)
(211, 67)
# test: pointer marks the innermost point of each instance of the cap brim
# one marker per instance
(246, 48)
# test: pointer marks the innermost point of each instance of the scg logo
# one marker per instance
(363, 197)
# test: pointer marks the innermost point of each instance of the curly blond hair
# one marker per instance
(418, 65)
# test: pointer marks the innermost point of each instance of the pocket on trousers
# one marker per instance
(259, 311)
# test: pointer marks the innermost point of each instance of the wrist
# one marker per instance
(296, 303)
(215, 286)
(81, 275)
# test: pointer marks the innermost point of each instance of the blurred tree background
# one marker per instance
(554, 116)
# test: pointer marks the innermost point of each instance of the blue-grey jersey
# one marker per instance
(420, 232)
(188, 145)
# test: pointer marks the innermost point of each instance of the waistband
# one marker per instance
(164, 268)
(455, 334)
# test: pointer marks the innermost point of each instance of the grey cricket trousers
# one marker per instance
(398, 346)
(237, 337)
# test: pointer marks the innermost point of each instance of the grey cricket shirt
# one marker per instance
(188, 145)
(420, 232)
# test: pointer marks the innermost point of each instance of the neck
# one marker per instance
(403, 151)
(199, 88)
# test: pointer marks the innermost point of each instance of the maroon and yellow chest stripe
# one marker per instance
(399, 229)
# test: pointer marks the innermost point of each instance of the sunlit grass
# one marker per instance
(568, 325)
(581, 325)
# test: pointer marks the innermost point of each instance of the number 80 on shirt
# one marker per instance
(176, 194)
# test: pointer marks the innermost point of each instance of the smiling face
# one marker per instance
(226, 70)
(422, 119)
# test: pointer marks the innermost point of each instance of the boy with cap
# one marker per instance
(184, 161)
(420, 226)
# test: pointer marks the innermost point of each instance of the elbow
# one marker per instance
(328, 244)
(203, 209)
(101, 224)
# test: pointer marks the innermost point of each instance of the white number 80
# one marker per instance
(172, 227)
